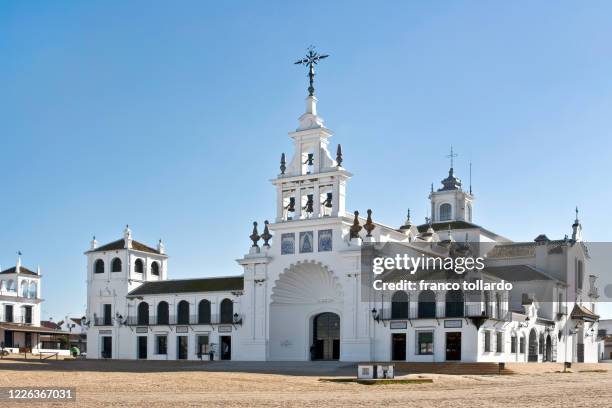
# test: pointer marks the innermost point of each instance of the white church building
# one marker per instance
(300, 296)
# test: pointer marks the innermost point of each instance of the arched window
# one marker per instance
(427, 304)
(32, 293)
(155, 268)
(399, 305)
(454, 303)
(2, 285)
(163, 313)
(99, 266)
(10, 286)
(24, 289)
(227, 311)
(204, 312)
(469, 212)
(579, 275)
(143, 313)
(116, 265)
(183, 312)
(138, 266)
(445, 212)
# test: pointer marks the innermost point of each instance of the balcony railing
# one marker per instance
(445, 311)
(177, 320)
(103, 321)
(16, 319)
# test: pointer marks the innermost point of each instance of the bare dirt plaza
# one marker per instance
(164, 384)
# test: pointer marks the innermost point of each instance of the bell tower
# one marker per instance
(451, 203)
(312, 184)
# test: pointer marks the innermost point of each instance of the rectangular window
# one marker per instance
(27, 314)
(499, 344)
(513, 344)
(161, 345)
(425, 343)
(202, 344)
(8, 313)
(522, 345)
(107, 315)
(487, 341)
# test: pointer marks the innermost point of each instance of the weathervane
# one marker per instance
(311, 59)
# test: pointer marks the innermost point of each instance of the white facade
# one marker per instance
(300, 295)
(20, 311)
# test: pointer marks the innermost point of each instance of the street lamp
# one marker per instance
(375, 315)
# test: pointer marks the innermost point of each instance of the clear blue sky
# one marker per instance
(172, 116)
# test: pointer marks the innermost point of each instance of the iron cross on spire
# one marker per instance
(452, 156)
(311, 59)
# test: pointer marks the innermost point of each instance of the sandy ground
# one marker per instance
(171, 384)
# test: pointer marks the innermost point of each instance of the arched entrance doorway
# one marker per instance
(533, 346)
(325, 337)
(548, 351)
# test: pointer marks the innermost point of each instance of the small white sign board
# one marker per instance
(384, 371)
(365, 371)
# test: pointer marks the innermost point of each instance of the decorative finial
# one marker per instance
(577, 221)
(339, 155)
(94, 243)
(18, 266)
(282, 164)
(311, 59)
(369, 225)
(432, 187)
(407, 223)
(38, 270)
(355, 228)
(127, 237)
(255, 235)
(161, 248)
(266, 236)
